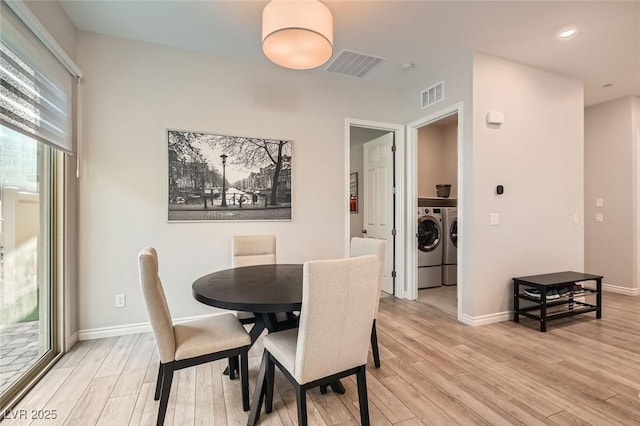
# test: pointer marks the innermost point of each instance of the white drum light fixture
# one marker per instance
(297, 34)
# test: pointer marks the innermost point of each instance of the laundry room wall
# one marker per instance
(609, 174)
(430, 164)
(437, 158)
(537, 155)
(450, 157)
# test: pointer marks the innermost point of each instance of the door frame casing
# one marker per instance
(398, 130)
(636, 211)
(411, 166)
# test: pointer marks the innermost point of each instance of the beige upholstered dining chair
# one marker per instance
(190, 343)
(251, 250)
(332, 341)
(367, 246)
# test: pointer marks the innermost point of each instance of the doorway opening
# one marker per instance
(374, 193)
(434, 153)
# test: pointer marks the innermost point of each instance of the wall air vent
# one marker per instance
(432, 95)
(354, 64)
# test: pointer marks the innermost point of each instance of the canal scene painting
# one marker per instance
(216, 177)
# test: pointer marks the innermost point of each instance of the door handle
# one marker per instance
(364, 231)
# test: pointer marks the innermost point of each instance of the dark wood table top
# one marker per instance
(258, 289)
(558, 278)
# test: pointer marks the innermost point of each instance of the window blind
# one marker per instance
(35, 89)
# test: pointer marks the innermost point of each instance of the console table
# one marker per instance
(567, 303)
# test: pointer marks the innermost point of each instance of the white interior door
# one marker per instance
(378, 198)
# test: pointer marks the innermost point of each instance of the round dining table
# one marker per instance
(263, 290)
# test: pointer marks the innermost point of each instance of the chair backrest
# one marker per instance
(156, 302)
(249, 250)
(338, 304)
(367, 246)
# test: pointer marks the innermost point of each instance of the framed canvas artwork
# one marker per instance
(215, 177)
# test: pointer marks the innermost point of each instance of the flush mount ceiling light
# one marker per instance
(567, 33)
(297, 34)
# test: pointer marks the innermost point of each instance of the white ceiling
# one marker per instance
(428, 34)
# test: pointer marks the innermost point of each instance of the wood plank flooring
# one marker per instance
(435, 370)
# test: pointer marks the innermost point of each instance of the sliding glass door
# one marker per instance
(27, 182)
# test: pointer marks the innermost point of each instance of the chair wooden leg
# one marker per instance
(363, 399)
(374, 345)
(301, 398)
(259, 391)
(156, 396)
(166, 389)
(233, 367)
(244, 376)
(268, 405)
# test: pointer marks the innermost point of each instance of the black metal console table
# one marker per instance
(568, 304)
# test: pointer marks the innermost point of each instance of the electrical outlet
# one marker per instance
(494, 219)
(576, 219)
(599, 217)
(599, 202)
(120, 301)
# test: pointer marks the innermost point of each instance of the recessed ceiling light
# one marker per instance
(407, 66)
(567, 33)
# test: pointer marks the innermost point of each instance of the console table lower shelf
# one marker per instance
(549, 305)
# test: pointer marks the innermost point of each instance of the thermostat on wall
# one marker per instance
(495, 117)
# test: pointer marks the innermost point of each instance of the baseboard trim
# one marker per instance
(487, 319)
(613, 288)
(123, 330)
(621, 290)
(71, 340)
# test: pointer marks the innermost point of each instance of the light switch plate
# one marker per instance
(599, 202)
(494, 219)
(599, 217)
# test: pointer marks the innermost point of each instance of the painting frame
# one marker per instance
(214, 177)
(353, 192)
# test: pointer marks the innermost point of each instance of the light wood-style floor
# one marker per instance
(434, 371)
(443, 298)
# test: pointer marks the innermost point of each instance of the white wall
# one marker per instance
(356, 219)
(457, 75)
(609, 137)
(133, 92)
(537, 154)
(53, 17)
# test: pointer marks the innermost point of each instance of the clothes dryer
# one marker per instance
(450, 246)
(430, 238)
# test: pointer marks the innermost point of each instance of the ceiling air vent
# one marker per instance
(354, 64)
(432, 95)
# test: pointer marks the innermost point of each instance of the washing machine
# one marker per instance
(450, 246)
(430, 238)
